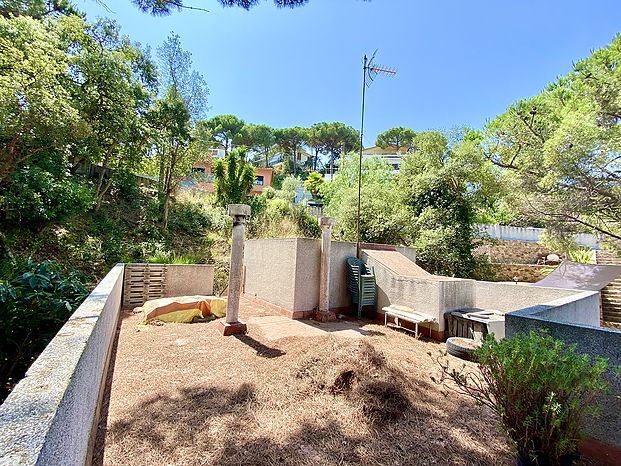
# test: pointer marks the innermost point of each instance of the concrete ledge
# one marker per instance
(48, 418)
(283, 311)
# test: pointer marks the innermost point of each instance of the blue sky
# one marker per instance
(459, 62)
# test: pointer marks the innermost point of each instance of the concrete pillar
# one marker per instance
(324, 314)
(240, 214)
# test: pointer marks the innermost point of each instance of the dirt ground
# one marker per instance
(182, 394)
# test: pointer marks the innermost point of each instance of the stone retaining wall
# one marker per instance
(48, 418)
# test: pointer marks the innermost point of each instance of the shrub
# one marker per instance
(540, 387)
(36, 300)
(36, 197)
(124, 185)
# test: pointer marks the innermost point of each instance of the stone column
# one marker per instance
(324, 314)
(240, 214)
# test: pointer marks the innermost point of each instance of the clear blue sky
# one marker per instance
(459, 62)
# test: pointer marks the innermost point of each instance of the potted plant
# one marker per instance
(541, 389)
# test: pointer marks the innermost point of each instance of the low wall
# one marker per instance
(432, 296)
(49, 416)
(507, 297)
(589, 339)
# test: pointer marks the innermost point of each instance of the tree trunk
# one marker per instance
(295, 156)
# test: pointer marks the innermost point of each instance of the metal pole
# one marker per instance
(364, 87)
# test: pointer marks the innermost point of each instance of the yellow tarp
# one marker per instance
(182, 308)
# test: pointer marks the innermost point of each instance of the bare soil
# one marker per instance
(182, 394)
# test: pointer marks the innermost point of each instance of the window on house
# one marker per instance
(259, 180)
(198, 170)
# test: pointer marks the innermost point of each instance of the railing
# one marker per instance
(531, 234)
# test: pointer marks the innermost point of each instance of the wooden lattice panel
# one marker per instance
(143, 282)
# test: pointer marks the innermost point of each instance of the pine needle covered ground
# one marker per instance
(183, 394)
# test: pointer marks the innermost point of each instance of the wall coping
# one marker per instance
(29, 417)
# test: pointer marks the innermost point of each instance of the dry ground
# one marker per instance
(182, 394)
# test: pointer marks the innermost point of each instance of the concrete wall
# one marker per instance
(308, 256)
(285, 272)
(189, 279)
(49, 416)
(589, 339)
(341, 250)
(511, 297)
(431, 296)
(270, 270)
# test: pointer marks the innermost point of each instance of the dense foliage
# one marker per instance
(541, 388)
(560, 149)
(36, 299)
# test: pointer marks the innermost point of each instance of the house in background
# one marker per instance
(278, 162)
(390, 154)
(202, 177)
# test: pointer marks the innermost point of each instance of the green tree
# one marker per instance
(176, 70)
(441, 185)
(399, 138)
(36, 8)
(35, 102)
(314, 184)
(382, 215)
(165, 7)
(224, 129)
(257, 138)
(332, 139)
(171, 121)
(290, 140)
(112, 83)
(560, 149)
(233, 178)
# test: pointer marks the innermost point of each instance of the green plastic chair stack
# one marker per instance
(361, 284)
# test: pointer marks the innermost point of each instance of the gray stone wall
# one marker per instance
(49, 416)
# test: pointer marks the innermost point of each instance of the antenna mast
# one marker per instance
(369, 72)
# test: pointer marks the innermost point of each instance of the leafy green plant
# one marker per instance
(583, 255)
(36, 197)
(36, 300)
(540, 387)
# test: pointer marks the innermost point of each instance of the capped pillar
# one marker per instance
(240, 214)
(324, 314)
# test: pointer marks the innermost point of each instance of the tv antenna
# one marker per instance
(370, 70)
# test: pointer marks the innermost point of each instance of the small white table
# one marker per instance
(408, 314)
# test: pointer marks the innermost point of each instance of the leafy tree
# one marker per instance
(36, 8)
(258, 138)
(224, 129)
(233, 178)
(314, 184)
(290, 140)
(176, 70)
(332, 139)
(112, 83)
(35, 103)
(171, 121)
(560, 149)
(399, 138)
(165, 7)
(382, 215)
(441, 185)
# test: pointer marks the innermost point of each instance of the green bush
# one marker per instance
(124, 186)
(307, 224)
(36, 301)
(36, 197)
(540, 387)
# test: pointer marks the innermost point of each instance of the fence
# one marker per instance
(531, 234)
